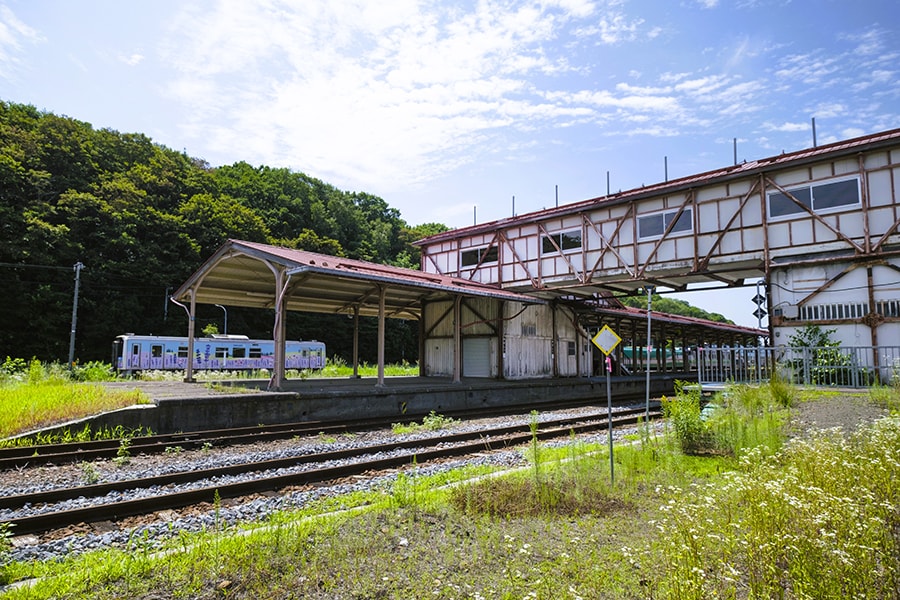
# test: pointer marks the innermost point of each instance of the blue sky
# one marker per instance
(448, 110)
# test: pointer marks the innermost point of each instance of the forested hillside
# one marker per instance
(141, 217)
(672, 306)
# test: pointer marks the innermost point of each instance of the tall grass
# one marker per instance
(740, 418)
(335, 367)
(817, 520)
(27, 407)
(814, 517)
(35, 395)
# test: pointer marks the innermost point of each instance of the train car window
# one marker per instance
(238, 352)
(221, 351)
(136, 349)
(182, 352)
(255, 353)
(156, 351)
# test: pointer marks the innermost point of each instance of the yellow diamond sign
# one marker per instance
(606, 339)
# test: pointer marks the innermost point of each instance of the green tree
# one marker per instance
(213, 220)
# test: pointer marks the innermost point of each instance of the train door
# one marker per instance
(134, 361)
(156, 356)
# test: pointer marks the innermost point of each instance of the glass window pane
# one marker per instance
(571, 240)
(830, 195)
(650, 226)
(490, 254)
(547, 246)
(469, 258)
(780, 204)
(684, 221)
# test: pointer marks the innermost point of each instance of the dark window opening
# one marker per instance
(570, 240)
(470, 258)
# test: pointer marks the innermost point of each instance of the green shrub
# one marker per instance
(684, 414)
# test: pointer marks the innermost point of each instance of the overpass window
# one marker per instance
(470, 258)
(568, 240)
(780, 204)
(819, 198)
(651, 226)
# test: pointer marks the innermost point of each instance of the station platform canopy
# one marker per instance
(255, 275)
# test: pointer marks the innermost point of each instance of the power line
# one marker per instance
(32, 266)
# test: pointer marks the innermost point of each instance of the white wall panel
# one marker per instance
(439, 357)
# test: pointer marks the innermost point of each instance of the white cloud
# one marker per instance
(384, 96)
(397, 91)
(786, 127)
(829, 110)
(13, 34)
(132, 59)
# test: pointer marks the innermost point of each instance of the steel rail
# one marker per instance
(479, 443)
(20, 457)
(101, 489)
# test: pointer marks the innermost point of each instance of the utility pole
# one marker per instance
(78, 267)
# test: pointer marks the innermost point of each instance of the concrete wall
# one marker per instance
(402, 402)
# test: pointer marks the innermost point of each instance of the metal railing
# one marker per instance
(827, 366)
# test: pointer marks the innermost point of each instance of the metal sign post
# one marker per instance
(607, 339)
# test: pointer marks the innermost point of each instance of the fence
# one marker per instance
(829, 366)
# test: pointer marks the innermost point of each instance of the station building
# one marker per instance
(815, 230)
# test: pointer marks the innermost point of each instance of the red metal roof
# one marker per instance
(745, 169)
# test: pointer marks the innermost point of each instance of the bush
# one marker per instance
(685, 415)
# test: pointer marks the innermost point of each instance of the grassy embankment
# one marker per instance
(35, 395)
(718, 507)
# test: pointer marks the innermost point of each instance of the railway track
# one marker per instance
(20, 457)
(401, 453)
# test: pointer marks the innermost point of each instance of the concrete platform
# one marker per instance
(182, 407)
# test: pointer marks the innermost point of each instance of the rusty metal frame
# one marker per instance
(817, 217)
(433, 262)
(664, 238)
(609, 246)
(578, 275)
(536, 283)
(481, 259)
(703, 264)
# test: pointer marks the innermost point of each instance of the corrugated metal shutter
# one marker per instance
(476, 357)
